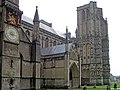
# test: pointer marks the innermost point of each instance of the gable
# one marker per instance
(23, 36)
(73, 53)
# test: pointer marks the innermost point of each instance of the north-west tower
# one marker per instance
(93, 39)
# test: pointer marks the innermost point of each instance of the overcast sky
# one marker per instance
(62, 13)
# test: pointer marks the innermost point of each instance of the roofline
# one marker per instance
(42, 30)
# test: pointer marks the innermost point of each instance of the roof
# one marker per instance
(55, 50)
(43, 26)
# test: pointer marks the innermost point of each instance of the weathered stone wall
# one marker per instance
(26, 70)
(24, 49)
(10, 66)
(54, 72)
(6, 84)
(25, 83)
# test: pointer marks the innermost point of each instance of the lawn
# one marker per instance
(112, 84)
(91, 87)
(100, 87)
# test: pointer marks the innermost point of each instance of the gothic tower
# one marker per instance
(35, 53)
(92, 34)
(10, 21)
(67, 81)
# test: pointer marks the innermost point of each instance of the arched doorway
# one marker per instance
(74, 75)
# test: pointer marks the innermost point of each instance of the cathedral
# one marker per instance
(92, 35)
(33, 55)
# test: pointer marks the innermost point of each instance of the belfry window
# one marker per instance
(83, 15)
(88, 14)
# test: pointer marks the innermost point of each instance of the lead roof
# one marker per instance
(55, 50)
(43, 26)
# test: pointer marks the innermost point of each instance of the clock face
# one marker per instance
(11, 34)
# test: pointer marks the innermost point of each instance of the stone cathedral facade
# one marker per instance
(93, 39)
(33, 55)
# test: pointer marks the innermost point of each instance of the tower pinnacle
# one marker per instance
(36, 16)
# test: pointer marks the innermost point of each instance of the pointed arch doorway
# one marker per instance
(74, 75)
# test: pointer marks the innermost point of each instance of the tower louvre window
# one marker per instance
(83, 15)
(88, 14)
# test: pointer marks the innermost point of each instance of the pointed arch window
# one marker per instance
(88, 14)
(42, 41)
(54, 43)
(28, 33)
(83, 15)
(46, 42)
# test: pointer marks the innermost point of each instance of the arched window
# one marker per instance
(88, 14)
(54, 43)
(83, 15)
(46, 42)
(42, 39)
(27, 33)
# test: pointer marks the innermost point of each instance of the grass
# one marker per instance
(91, 87)
(112, 84)
(100, 87)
